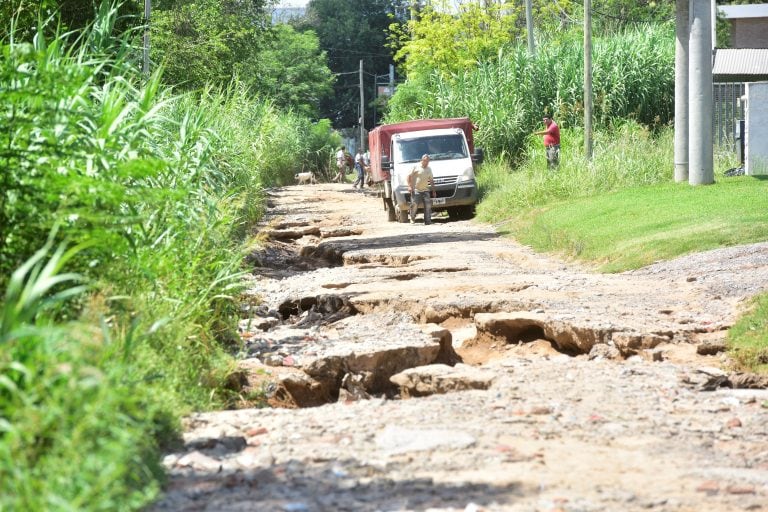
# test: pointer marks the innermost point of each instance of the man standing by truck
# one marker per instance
(341, 165)
(421, 185)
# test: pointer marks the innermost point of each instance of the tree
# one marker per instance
(445, 39)
(448, 42)
(203, 42)
(350, 30)
(292, 71)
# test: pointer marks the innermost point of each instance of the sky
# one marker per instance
(292, 3)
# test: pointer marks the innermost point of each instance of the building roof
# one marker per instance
(742, 64)
(744, 11)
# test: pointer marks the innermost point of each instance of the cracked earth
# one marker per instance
(444, 368)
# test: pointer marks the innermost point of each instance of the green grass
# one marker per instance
(634, 227)
(748, 338)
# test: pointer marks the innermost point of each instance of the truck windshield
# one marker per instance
(440, 147)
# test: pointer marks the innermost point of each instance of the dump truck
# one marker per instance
(396, 148)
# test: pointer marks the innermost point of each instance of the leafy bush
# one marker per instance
(75, 431)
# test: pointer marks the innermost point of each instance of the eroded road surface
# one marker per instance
(443, 368)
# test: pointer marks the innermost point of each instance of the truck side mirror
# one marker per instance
(478, 156)
(385, 163)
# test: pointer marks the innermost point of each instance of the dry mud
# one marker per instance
(443, 368)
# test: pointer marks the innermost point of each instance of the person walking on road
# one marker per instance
(422, 188)
(367, 168)
(551, 141)
(360, 168)
(341, 164)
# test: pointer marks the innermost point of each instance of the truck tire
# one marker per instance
(390, 209)
(461, 212)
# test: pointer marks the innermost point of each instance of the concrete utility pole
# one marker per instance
(700, 153)
(714, 27)
(529, 27)
(682, 36)
(147, 13)
(588, 79)
(362, 109)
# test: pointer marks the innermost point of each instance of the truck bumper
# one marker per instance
(463, 194)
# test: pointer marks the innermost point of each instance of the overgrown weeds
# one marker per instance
(633, 80)
(157, 192)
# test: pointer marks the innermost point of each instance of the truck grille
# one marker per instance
(446, 180)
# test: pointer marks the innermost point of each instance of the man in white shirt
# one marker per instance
(341, 164)
(422, 187)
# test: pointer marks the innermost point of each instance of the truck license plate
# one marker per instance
(438, 201)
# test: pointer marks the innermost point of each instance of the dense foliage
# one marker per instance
(350, 31)
(633, 77)
(103, 345)
(292, 71)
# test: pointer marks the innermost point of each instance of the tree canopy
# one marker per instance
(291, 69)
(208, 42)
(350, 31)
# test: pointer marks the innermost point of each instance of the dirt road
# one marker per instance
(440, 367)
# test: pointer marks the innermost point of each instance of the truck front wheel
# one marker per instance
(390, 208)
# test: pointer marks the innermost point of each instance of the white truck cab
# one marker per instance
(397, 148)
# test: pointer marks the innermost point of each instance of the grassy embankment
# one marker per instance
(622, 210)
(125, 212)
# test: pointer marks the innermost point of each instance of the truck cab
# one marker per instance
(451, 164)
(397, 148)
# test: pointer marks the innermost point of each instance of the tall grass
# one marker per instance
(627, 156)
(633, 74)
(76, 433)
(158, 192)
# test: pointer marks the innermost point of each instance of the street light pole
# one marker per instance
(362, 109)
(529, 27)
(588, 79)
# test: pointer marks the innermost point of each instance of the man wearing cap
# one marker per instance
(551, 141)
(422, 189)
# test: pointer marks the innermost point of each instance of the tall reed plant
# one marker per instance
(629, 155)
(158, 191)
(633, 74)
(78, 430)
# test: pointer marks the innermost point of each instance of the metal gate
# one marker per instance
(727, 110)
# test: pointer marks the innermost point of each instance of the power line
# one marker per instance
(344, 50)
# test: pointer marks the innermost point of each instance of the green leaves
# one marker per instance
(155, 193)
(36, 286)
(633, 79)
(208, 42)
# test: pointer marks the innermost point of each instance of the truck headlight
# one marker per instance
(467, 175)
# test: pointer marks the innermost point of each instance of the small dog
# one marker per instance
(302, 178)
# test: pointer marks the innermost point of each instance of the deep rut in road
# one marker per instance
(474, 334)
(578, 391)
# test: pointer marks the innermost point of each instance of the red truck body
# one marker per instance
(380, 138)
